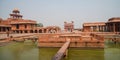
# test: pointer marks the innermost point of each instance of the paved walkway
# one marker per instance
(3, 36)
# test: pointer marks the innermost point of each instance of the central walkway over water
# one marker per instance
(62, 51)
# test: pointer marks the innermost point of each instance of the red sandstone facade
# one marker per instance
(112, 25)
(94, 27)
(16, 24)
(69, 26)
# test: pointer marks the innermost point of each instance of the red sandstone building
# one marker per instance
(112, 25)
(69, 26)
(94, 27)
(16, 24)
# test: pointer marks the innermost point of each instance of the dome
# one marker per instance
(16, 10)
(114, 19)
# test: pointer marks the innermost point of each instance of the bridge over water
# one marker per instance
(62, 51)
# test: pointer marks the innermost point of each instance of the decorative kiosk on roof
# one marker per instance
(15, 14)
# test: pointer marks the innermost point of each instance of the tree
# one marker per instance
(39, 25)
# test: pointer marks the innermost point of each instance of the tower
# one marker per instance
(15, 14)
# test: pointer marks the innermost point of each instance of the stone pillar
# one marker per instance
(103, 28)
(37, 31)
(33, 31)
(15, 31)
(28, 31)
(113, 27)
(110, 28)
(99, 28)
(117, 27)
(23, 31)
(46, 30)
(42, 30)
(106, 28)
(92, 28)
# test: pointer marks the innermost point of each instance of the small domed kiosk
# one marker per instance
(16, 14)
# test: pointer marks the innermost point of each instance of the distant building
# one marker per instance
(4, 27)
(94, 27)
(112, 25)
(16, 24)
(69, 26)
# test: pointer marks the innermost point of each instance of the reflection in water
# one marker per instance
(47, 53)
(112, 51)
(19, 51)
(30, 51)
(85, 54)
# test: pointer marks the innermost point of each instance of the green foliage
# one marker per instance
(39, 25)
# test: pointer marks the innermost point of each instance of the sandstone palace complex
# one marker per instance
(16, 24)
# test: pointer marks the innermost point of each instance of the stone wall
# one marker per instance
(76, 40)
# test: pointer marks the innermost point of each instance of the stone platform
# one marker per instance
(77, 40)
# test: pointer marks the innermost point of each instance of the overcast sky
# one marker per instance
(55, 12)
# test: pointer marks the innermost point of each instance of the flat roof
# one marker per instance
(94, 24)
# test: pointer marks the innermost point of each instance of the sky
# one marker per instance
(56, 12)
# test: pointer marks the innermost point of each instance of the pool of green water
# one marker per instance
(30, 51)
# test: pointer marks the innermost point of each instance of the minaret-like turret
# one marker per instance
(15, 14)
